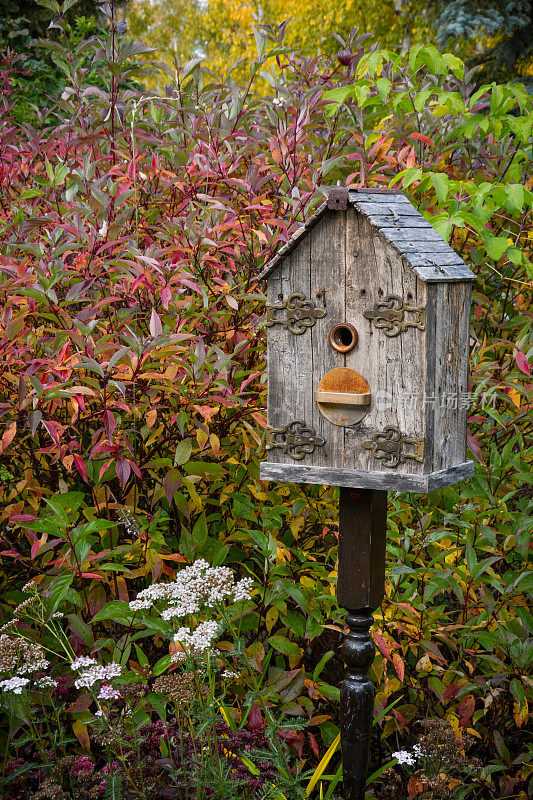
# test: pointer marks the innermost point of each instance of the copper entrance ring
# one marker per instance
(343, 337)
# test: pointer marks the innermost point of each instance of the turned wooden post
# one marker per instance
(360, 589)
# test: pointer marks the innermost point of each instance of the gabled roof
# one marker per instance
(399, 223)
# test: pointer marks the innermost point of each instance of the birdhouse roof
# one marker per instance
(397, 222)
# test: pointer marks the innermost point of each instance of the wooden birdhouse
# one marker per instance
(368, 313)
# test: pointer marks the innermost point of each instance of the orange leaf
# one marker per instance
(8, 437)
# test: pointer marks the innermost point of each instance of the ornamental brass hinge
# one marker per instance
(296, 439)
(389, 315)
(301, 313)
(389, 447)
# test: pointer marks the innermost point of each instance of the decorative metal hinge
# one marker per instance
(297, 439)
(388, 446)
(301, 313)
(389, 315)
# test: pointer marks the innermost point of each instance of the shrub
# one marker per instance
(132, 373)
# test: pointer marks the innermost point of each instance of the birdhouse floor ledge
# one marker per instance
(354, 479)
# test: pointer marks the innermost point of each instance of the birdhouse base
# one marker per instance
(354, 479)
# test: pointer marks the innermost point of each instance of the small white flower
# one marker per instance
(230, 675)
(99, 713)
(97, 673)
(108, 693)
(82, 661)
(14, 684)
(200, 639)
(58, 615)
(243, 589)
(30, 587)
(404, 757)
(45, 683)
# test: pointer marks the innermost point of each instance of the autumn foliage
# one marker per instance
(132, 231)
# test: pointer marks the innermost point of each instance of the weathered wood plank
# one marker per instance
(398, 220)
(445, 477)
(328, 277)
(361, 479)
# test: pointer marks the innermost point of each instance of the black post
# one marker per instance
(360, 589)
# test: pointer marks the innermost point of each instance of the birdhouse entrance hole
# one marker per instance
(343, 337)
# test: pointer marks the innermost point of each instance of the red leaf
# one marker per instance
(255, 719)
(423, 138)
(81, 704)
(475, 447)
(103, 469)
(123, 469)
(109, 424)
(52, 430)
(171, 483)
(399, 665)
(166, 296)
(521, 362)
(382, 645)
(313, 743)
(80, 466)
(36, 546)
(466, 710)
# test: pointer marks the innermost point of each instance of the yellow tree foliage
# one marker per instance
(222, 30)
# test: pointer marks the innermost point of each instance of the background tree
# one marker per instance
(496, 35)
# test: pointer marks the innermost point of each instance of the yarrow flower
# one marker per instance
(200, 639)
(404, 757)
(195, 586)
(83, 661)
(15, 684)
(97, 673)
(17, 654)
(45, 683)
(108, 693)
(230, 675)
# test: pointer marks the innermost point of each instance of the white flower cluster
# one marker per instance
(108, 693)
(200, 639)
(45, 683)
(230, 675)
(243, 589)
(15, 684)
(83, 661)
(405, 757)
(97, 673)
(195, 586)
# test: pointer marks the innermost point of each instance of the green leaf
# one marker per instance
(496, 246)
(284, 645)
(159, 704)
(57, 591)
(162, 665)
(183, 452)
(112, 609)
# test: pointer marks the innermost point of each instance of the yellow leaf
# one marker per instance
(79, 728)
(271, 618)
(151, 417)
(321, 768)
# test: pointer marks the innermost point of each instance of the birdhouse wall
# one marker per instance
(344, 266)
(448, 335)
